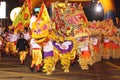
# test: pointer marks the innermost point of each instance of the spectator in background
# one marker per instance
(22, 46)
(27, 37)
(27, 34)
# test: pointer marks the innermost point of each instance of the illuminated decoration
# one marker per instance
(2, 9)
(23, 17)
(98, 8)
(109, 9)
(14, 13)
(108, 5)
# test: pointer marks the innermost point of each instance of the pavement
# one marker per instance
(10, 69)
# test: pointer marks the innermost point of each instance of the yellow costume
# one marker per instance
(36, 56)
(22, 55)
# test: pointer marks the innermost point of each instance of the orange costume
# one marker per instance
(96, 49)
(85, 56)
(106, 51)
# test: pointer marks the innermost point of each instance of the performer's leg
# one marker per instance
(65, 61)
(22, 56)
(48, 65)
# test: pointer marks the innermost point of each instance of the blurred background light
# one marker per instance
(98, 8)
(14, 13)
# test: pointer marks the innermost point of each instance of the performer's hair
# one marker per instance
(34, 14)
(21, 34)
(26, 29)
(12, 30)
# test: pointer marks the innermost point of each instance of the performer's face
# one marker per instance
(25, 31)
(22, 36)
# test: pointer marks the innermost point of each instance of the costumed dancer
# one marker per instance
(85, 56)
(13, 40)
(27, 37)
(118, 40)
(36, 55)
(113, 49)
(84, 47)
(49, 61)
(64, 47)
(4, 35)
(115, 54)
(56, 56)
(118, 46)
(96, 49)
(22, 46)
(106, 49)
(73, 52)
(107, 30)
(35, 47)
(7, 42)
(40, 31)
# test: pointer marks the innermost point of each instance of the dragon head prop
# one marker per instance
(66, 17)
(82, 35)
(41, 26)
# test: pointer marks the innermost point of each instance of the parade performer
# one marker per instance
(48, 57)
(22, 46)
(40, 31)
(96, 43)
(114, 50)
(65, 48)
(27, 35)
(95, 30)
(7, 42)
(35, 48)
(114, 40)
(118, 46)
(11, 39)
(36, 55)
(66, 20)
(84, 47)
(106, 48)
(106, 29)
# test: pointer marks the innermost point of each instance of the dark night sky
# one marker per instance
(117, 5)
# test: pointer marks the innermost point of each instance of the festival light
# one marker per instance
(2, 9)
(98, 8)
(14, 13)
